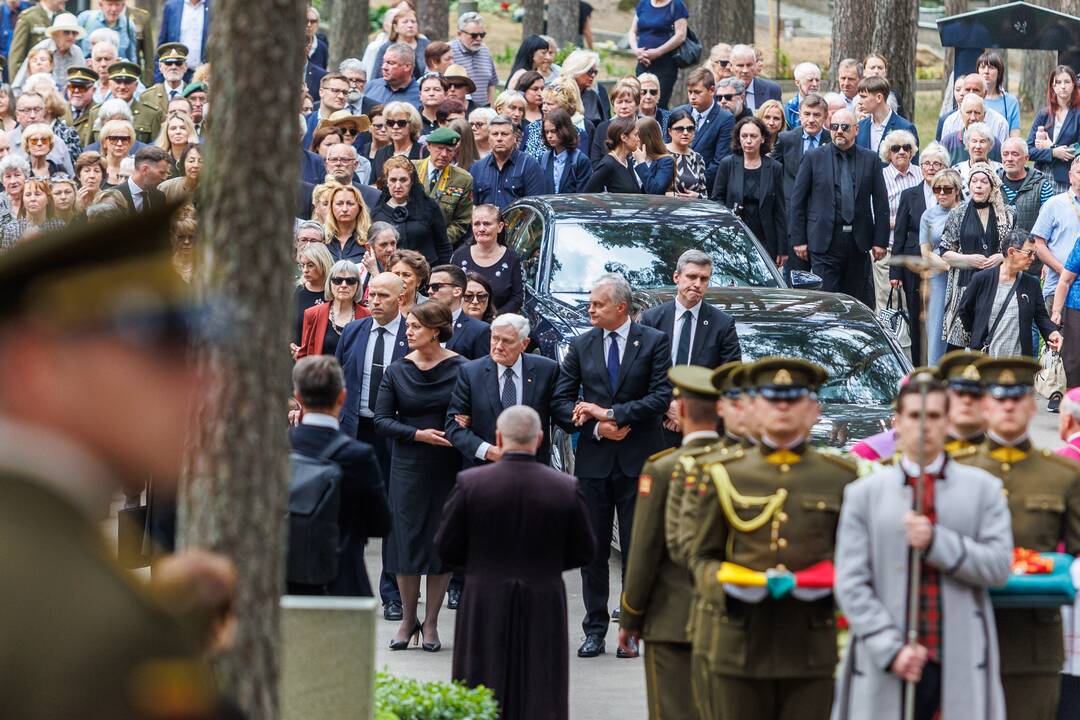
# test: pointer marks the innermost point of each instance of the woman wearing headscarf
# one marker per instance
(971, 241)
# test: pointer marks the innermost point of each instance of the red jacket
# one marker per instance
(314, 331)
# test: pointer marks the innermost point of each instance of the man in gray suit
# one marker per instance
(963, 531)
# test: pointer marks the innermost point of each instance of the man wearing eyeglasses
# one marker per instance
(471, 53)
(839, 212)
(30, 109)
(123, 81)
(333, 94)
(172, 64)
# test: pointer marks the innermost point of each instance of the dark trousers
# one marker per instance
(605, 497)
(771, 698)
(910, 284)
(1032, 696)
(928, 692)
(665, 71)
(365, 432)
(844, 268)
(1069, 706)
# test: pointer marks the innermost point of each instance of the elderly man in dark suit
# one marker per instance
(759, 90)
(712, 139)
(319, 387)
(516, 526)
(619, 368)
(699, 333)
(508, 376)
(840, 211)
(472, 337)
(365, 350)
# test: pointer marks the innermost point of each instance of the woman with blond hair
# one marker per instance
(403, 124)
(116, 139)
(772, 114)
(37, 143)
(176, 136)
(581, 68)
(320, 201)
(347, 223)
(512, 104)
(315, 262)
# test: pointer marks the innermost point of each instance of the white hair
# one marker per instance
(1020, 143)
(105, 35)
(113, 109)
(344, 267)
(804, 70)
(519, 323)
(978, 128)
(835, 99)
(742, 49)
(14, 162)
(485, 113)
(352, 65)
(519, 426)
(580, 62)
(469, 18)
(1071, 408)
(896, 137)
(936, 149)
(620, 288)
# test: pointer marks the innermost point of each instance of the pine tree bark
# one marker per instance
(895, 36)
(533, 21)
(852, 33)
(233, 495)
(348, 31)
(434, 17)
(563, 22)
(952, 7)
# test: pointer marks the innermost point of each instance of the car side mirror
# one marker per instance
(805, 280)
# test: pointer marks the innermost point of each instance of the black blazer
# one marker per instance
(420, 224)
(477, 394)
(155, 198)
(788, 151)
(575, 174)
(351, 349)
(641, 398)
(728, 190)
(906, 232)
(364, 509)
(609, 175)
(715, 339)
(471, 338)
(814, 204)
(977, 304)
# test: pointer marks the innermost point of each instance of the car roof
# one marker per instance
(627, 208)
(781, 305)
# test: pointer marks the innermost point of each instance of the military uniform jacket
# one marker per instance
(29, 31)
(783, 513)
(157, 97)
(146, 119)
(84, 127)
(680, 514)
(453, 192)
(1043, 492)
(656, 592)
(144, 42)
(77, 639)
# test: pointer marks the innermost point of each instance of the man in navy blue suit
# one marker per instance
(472, 337)
(839, 211)
(320, 389)
(486, 386)
(187, 22)
(880, 120)
(365, 350)
(699, 333)
(744, 64)
(619, 369)
(712, 139)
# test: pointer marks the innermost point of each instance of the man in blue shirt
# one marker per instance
(397, 82)
(1057, 229)
(507, 174)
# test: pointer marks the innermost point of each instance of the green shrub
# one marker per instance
(400, 698)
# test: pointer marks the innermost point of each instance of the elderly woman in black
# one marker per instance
(487, 256)
(403, 126)
(749, 182)
(417, 218)
(974, 234)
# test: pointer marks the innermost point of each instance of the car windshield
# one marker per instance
(646, 253)
(862, 367)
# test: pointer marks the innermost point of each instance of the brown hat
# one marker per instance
(343, 117)
(456, 73)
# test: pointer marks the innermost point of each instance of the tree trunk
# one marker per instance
(895, 36)
(563, 22)
(233, 497)
(434, 16)
(952, 7)
(349, 31)
(533, 21)
(852, 33)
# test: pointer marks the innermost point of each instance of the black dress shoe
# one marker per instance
(453, 598)
(392, 611)
(615, 614)
(593, 646)
(1054, 405)
(631, 650)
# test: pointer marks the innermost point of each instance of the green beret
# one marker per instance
(193, 88)
(443, 136)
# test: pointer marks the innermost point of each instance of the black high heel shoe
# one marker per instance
(414, 637)
(430, 647)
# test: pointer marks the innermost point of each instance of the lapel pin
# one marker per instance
(401, 343)
(528, 380)
(704, 322)
(636, 343)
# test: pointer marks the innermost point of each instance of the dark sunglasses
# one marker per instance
(397, 123)
(723, 63)
(436, 287)
(173, 62)
(684, 129)
(476, 297)
(842, 127)
(906, 147)
(350, 281)
(944, 190)
(456, 85)
(119, 138)
(593, 72)
(349, 131)
(732, 96)
(649, 91)
(477, 36)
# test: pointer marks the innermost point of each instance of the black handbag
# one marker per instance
(689, 53)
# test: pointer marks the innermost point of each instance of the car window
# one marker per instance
(526, 241)
(646, 254)
(863, 368)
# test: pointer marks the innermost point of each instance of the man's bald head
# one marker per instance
(518, 429)
(843, 139)
(384, 297)
(974, 84)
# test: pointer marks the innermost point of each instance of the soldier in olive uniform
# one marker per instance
(774, 507)
(78, 637)
(966, 426)
(657, 592)
(1043, 491)
(172, 58)
(146, 119)
(30, 29)
(81, 81)
(447, 184)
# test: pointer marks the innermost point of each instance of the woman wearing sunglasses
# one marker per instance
(117, 137)
(323, 323)
(896, 150)
(689, 165)
(477, 298)
(948, 188)
(650, 98)
(403, 125)
(37, 143)
(582, 66)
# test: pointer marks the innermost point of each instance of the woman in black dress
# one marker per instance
(411, 410)
(615, 172)
(420, 223)
(498, 264)
(749, 182)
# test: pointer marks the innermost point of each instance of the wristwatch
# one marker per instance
(610, 414)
